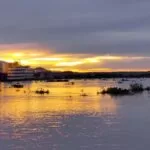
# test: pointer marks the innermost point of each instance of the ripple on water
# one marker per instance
(64, 120)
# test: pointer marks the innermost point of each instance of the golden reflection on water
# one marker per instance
(19, 106)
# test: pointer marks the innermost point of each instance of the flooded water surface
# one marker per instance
(66, 120)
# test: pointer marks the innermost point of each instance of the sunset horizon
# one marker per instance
(74, 74)
(50, 59)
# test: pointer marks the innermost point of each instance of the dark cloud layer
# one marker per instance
(78, 26)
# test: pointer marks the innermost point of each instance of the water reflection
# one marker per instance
(61, 100)
(30, 121)
(57, 106)
(64, 120)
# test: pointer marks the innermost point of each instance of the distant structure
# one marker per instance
(15, 71)
(5, 66)
(20, 73)
(40, 70)
(41, 73)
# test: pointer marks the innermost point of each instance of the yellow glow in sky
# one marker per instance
(67, 62)
(17, 54)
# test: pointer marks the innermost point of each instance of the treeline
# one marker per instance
(96, 75)
(48, 75)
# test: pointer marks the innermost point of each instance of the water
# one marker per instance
(64, 120)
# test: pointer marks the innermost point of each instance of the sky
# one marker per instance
(77, 35)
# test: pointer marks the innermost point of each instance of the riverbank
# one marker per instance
(58, 76)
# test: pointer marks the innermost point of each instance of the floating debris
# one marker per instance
(83, 94)
(115, 91)
(134, 88)
(42, 91)
(17, 85)
(98, 92)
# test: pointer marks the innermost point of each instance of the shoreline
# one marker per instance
(65, 76)
(67, 80)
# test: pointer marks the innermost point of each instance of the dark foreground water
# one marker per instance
(64, 120)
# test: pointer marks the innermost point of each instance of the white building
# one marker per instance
(20, 73)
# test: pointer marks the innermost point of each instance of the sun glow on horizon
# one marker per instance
(69, 62)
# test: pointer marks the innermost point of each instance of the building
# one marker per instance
(20, 73)
(4, 67)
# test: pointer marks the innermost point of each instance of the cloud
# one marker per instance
(87, 26)
(78, 28)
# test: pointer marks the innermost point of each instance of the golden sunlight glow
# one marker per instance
(107, 57)
(92, 60)
(48, 59)
(18, 54)
(25, 62)
(20, 109)
(63, 62)
(69, 63)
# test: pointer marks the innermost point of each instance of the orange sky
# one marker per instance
(52, 60)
